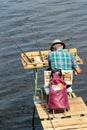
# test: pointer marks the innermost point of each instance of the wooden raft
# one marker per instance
(75, 118)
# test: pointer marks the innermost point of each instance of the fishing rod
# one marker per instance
(28, 59)
(36, 41)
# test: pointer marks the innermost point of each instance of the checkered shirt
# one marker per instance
(60, 59)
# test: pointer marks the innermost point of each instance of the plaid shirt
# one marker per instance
(61, 60)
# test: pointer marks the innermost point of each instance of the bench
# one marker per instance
(67, 76)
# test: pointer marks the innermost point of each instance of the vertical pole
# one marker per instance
(35, 82)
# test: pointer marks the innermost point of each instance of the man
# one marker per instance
(58, 58)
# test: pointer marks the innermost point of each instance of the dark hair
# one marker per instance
(52, 48)
(56, 70)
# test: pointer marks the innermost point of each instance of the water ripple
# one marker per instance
(27, 23)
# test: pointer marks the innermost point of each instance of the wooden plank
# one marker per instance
(66, 124)
(76, 117)
(67, 76)
(45, 115)
(35, 57)
(42, 111)
(73, 95)
(77, 107)
(76, 100)
(68, 128)
(76, 127)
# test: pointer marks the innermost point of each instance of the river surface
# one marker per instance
(25, 24)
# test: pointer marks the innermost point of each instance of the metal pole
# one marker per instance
(35, 82)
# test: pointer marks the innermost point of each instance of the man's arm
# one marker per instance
(75, 65)
(78, 70)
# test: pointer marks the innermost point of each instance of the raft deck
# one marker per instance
(75, 118)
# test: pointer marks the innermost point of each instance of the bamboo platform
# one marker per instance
(75, 118)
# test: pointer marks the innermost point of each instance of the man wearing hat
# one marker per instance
(58, 58)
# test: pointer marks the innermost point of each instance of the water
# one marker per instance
(28, 23)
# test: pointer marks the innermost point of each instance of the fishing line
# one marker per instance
(29, 60)
(70, 34)
(22, 51)
(38, 44)
(33, 121)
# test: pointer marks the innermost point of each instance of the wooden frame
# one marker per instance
(40, 59)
